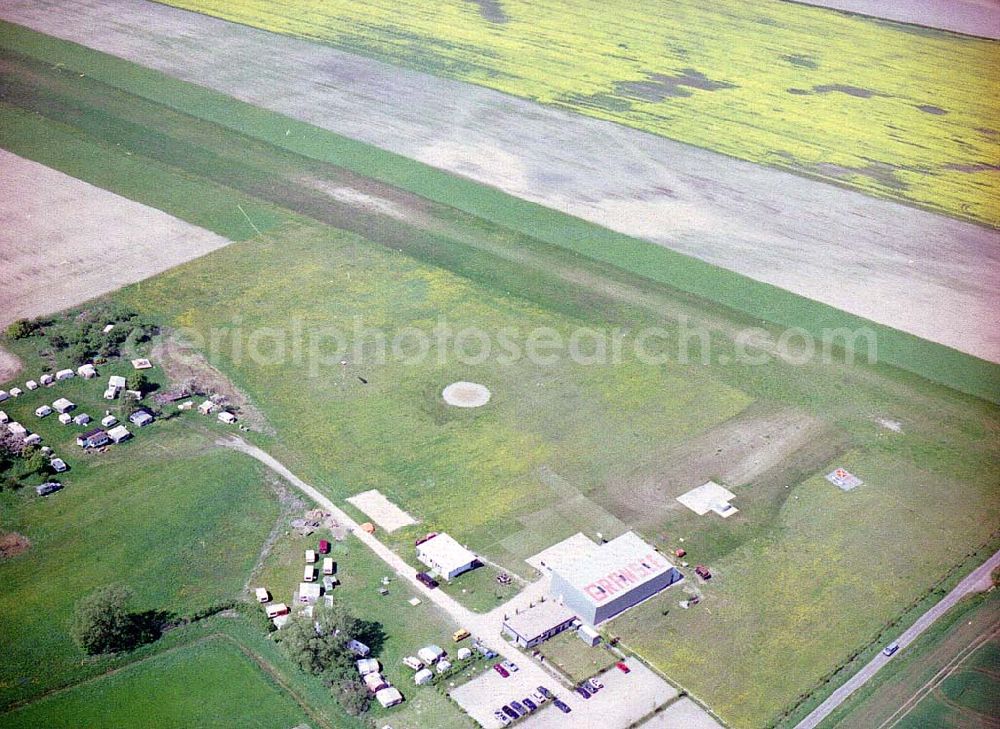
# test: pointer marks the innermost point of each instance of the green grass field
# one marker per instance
(558, 446)
(958, 643)
(179, 523)
(211, 683)
(872, 105)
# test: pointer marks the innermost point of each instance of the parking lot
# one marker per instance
(625, 698)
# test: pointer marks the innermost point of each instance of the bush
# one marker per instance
(352, 696)
(21, 329)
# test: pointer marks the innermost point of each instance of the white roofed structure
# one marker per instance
(446, 557)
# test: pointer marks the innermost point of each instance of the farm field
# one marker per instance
(927, 684)
(783, 84)
(796, 233)
(564, 446)
(45, 205)
(207, 684)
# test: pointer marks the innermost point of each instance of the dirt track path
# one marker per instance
(926, 274)
(974, 582)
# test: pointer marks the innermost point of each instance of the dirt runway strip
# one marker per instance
(970, 17)
(64, 241)
(923, 273)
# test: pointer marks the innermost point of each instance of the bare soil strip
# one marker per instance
(916, 271)
(64, 241)
(969, 17)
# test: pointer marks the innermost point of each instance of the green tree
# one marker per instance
(101, 623)
(352, 695)
(136, 380)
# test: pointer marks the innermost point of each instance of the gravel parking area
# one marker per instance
(625, 699)
(683, 714)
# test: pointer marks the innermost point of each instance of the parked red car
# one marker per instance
(501, 670)
(621, 666)
(324, 546)
(703, 572)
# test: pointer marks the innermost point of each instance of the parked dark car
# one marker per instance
(510, 712)
(529, 704)
(425, 579)
(582, 690)
(562, 706)
(516, 706)
(48, 488)
(501, 670)
(546, 693)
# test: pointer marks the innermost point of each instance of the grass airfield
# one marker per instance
(559, 448)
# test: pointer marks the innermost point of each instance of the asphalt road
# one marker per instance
(977, 581)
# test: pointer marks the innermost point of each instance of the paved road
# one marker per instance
(977, 581)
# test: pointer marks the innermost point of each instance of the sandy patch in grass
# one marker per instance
(64, 241)
(466, 395)
(381, 511)
(13, 544)
(10, 365)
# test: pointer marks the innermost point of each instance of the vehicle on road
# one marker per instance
(501, 670)
(582, 690)
(460, 635)
(510, 712)
(426, 580)
(546, 693)
(623, 667)
(510, 666)
(890, 649)
(562, 706)
(529, 704)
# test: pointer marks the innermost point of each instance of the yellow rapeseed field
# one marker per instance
(898, 112)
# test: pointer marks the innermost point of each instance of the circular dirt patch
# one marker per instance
(466, 395)
(13, 544)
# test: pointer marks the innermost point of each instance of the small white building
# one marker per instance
(119, 433)
(92, 439)
(87, 371)
(63, 405)
(4, 418)
(58, 465)
(328, 565)
(227, 417)
(206, 407)
(31, 385)
(262, 595)
(443, 665)
(111, 393)
(374, 682)
(65, 374)
(424, 675)
(389, 697)
(310, 556)
(464, 653)
(309, 573)
(537, 624)
(309, 592)
(32, 439)
(17, 429)
(108, 420)
(445, 556)
(16, 392)
(65, 418)
(588, 635)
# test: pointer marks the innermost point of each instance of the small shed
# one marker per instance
(226, 417)
(16, 392)
(423, 676)
(17, 429)
(111, 393)
(588, 635)
(374, 682)
(368, 665)
(31, 385)
(141, 418)
(309, 573)
(389, 697)
(62, 405)
(443, 665)
(108, 420)
(262, 595)
(65, 418)
(206, 407)
(4, 418)
(429, 654)
(276, 609)
(310, 556)
(309, 592)
(464, 653)
(119, 433)
(65, 374)
(32, 439)
(327, 565)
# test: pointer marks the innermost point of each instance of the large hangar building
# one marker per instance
(598, 581)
